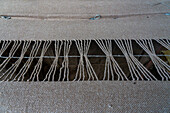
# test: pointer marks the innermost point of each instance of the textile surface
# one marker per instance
(64, 21)
(85, 97)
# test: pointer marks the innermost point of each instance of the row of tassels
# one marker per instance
(137, 70)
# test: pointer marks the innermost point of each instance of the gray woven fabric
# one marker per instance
(140, 27)
(72, 19)
(85, 97)
(87, 7)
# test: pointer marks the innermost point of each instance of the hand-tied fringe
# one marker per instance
(137, 70)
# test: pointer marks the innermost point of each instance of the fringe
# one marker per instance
(137, 70)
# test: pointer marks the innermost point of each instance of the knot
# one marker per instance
(126, 54)
(81, 55)
(22, 56)
(109, 55)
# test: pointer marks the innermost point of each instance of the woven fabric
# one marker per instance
(155, 27)
(82, 7)
(85, 97)
(58, 20)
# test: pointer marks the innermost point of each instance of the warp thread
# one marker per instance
(112, 69)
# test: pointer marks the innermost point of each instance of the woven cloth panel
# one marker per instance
(54, 20)
(85, 97)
